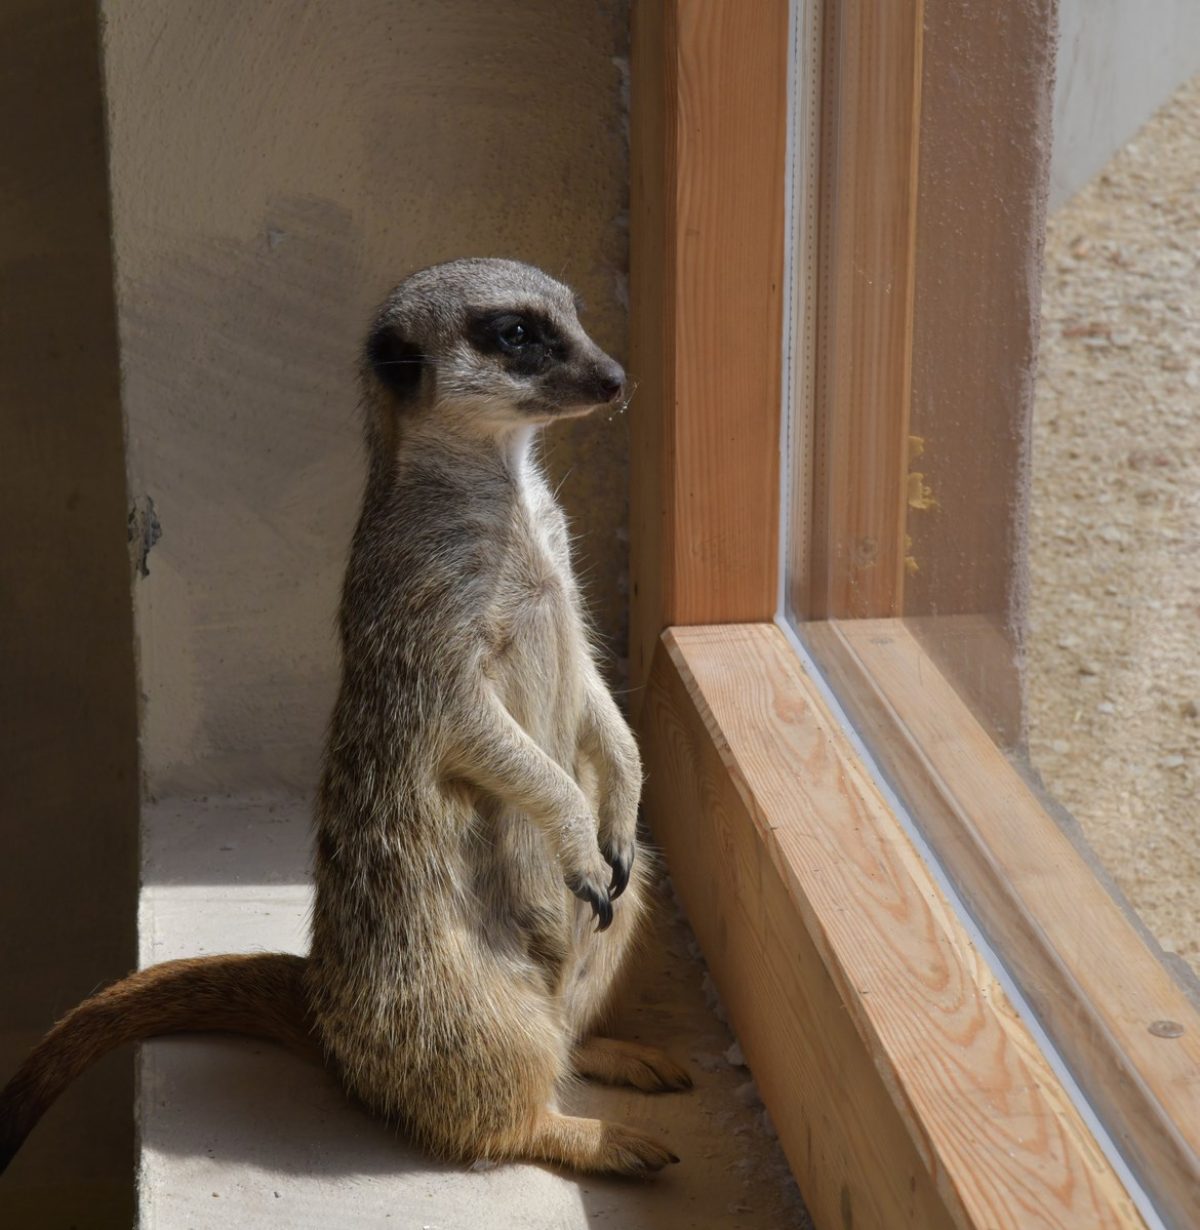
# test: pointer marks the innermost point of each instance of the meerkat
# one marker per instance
(477, 885)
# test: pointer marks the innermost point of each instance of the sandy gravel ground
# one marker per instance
(1114, 649)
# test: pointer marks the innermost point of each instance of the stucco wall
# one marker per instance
(68, 789)
(1118, 62)
(276, 168)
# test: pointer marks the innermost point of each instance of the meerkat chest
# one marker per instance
(534, 630)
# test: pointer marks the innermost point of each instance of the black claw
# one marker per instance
(597, 898)
(621, 865)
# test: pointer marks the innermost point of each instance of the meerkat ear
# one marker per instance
(396, 361)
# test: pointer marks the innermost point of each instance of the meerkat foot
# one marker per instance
(629, 1063)
(593, 1146)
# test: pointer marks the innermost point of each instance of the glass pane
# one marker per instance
(994, 550)
(1051, 520)
(1113, 672)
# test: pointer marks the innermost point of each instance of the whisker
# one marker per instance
(562, 480)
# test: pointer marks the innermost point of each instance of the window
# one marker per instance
(910, 1084)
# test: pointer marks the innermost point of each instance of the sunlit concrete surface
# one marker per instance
(237, 1133)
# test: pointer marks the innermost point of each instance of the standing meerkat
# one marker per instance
(476, 817)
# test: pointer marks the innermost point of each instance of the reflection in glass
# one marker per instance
(1113, 668)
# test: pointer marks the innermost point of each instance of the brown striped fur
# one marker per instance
(477, 809)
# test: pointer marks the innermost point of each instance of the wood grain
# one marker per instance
(709, 176)
(922, 1101)
(869, 160)
(847, 1144)
(1084, 968)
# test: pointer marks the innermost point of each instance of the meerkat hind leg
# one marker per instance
(590, 1145)
(616, 1062)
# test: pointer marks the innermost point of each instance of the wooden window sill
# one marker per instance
(906, 1089)
(1082, 964)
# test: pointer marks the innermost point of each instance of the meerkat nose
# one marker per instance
(610, 381)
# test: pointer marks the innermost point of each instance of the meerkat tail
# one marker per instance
(261, 995)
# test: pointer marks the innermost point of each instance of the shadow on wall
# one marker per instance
(68, 722)
(290, 170)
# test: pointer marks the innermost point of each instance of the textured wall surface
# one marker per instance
(276, 168)
(68, 785)
(1118, 62)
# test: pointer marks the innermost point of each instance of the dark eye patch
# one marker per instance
(526, 341)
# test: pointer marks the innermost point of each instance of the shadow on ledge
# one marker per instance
(241, 1133)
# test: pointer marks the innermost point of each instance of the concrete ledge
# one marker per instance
(235, 1133)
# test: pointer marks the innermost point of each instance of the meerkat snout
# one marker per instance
(610, 381)
(494, 343)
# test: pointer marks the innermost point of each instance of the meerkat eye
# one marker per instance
(513, 334)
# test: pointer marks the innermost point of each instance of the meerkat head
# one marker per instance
(489, 344)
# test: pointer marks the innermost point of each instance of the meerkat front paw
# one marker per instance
(596, 896)
(586, 881)
(618, 841)
(619, 854)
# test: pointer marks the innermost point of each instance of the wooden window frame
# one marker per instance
(906, 1088)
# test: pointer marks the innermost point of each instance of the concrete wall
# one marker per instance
(1118, 62)
(276, 168)
(68, 715)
